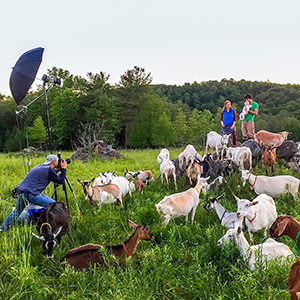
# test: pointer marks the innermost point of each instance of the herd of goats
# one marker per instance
(254, 215)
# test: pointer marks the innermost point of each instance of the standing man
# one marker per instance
(248, 128)
(33, 184)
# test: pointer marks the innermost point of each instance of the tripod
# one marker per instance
(56, 185)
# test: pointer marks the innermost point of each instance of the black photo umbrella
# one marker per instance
(24, 72)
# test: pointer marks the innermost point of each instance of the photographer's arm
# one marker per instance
(58, 178)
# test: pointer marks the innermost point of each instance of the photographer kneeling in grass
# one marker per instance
(33, 184)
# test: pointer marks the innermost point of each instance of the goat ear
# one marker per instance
(126, 171)
(79, 181)
(38, 237)
(57, 232)
(220, 196)
(239, 230)
(99, 173)
(132, 224)
(207, 178)
(253, 203)
(281, 226)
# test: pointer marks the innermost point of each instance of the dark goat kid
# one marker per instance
(52, 224)
(82, 257)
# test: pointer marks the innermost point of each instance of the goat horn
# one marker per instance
(38, 237)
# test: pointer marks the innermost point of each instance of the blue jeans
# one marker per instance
(22, 201)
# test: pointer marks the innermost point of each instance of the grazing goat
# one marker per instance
(240, 156)
(107, 193)
(264, 252)
(269, 139)
(216, 141)
(164, 153)
(124, 185)
(187, 155)
(294, 280)
(180, 204)
(52, 224)
(227, 218)
(82, 257)
(167, 169)
(144, 175)
(192, 172)
(258, 214)
(272, 186)
(269, 159)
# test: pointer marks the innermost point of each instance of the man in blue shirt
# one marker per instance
(33, 184)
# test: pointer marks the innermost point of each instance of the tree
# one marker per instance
(180, 128)
(135, 77)
(37, 133)
(163, 132)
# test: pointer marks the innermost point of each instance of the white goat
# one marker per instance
(239, 155)
(180, 204)
(258, 214)
(216, 141)
(164, 153)
(124, 185)
(187, 155)
(227, 218)
(272, 186)
(167, 169)
(268, 250)
(108, 193)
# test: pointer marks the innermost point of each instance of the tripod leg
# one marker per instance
(70, 187)
(54, 194)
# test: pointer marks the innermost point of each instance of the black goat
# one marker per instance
(52, 224)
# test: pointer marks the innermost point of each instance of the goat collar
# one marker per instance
(250, 255)
(252, 186)
(225, 211)
(47, 225)
(255, 215)
(296, 244)
(126, 250)
(197, 190)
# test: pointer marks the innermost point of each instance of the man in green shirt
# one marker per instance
(248, 129)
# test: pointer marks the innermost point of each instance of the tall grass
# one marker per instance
(184, 261)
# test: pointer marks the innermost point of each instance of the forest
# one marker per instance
(138, 114)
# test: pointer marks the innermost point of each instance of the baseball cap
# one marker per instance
(50, 158)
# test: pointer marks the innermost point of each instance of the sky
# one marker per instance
(176, 41)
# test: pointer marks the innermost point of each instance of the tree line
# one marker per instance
(135, 113)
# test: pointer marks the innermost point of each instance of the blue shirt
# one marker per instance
(39, 178)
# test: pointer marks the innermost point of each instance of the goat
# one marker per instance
(181, 204)
(272, 186)
(167, 169)
(258, 214)
(82, 257)
(52, 224)
(269, 139)
(240, 156)
(164, 153)
(192, 172)
(269, 159)
(187, 155)
(268, 250)
(144, 175)
(216, 141)
(227, 218)
(107, 193)
(124, 185)
(294, 280)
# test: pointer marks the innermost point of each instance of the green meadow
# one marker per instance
(183, 261)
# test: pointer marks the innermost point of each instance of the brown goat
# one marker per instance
(192, 172)
(83, 257)
(265, 138)
(269, 159)
(294, 280)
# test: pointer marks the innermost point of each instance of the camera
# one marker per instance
(60, 160)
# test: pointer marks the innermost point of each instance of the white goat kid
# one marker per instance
(180, 204)
(239, 155)
(167, 169)
(216, 141)
(272, 186)
(264, 252)
(258, 214)
(187, 156)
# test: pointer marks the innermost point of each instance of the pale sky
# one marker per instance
(177, 41)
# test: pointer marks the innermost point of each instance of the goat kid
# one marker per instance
(269, 159)
(82, 257)
(192, 172)
(52, 224)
